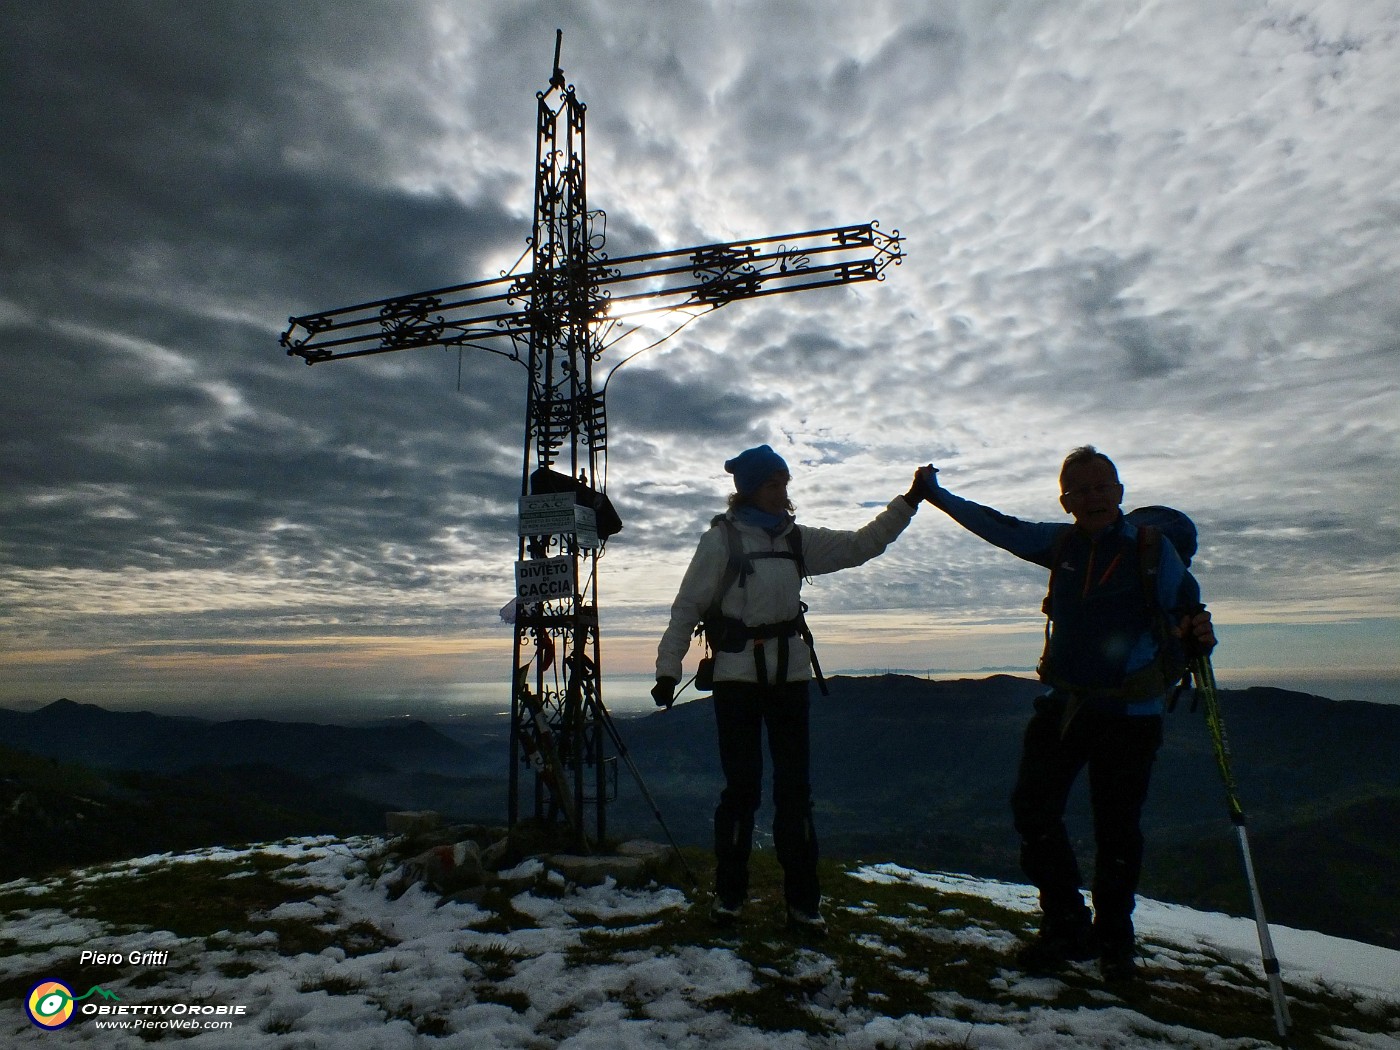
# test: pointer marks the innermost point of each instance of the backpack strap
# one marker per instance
(1149, 551)
(1057, 553)
(794, 538)
(709, 626)
(1171, 662)
(736, 569)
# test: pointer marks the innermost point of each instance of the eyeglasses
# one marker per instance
(1106, 488)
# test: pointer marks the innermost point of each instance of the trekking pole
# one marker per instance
(1205, 688)
(682, 689)
(637, 776)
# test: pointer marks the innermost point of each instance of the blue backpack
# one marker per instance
(1174, 525)
(1180, 532)
(1153, 524)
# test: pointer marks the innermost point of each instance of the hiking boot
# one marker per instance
(804, 921)
(722, 914)
(1118, 962)
(1051, 950)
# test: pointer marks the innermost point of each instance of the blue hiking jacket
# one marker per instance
(1101, 623)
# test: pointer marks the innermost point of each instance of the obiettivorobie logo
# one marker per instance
(50, 1003)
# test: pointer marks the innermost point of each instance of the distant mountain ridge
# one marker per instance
(139, 740)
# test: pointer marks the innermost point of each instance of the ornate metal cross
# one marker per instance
(555, 319)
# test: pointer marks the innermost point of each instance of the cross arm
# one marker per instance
(464, 313)
(713, 275)
(706, 276)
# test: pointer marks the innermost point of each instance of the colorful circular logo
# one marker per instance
(50, 1004)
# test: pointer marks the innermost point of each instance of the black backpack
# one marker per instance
(727, 634)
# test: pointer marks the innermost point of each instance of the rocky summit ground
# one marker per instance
(308, 943)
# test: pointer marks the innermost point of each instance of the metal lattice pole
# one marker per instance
(566, 432)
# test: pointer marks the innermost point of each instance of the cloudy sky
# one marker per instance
(1165, 228)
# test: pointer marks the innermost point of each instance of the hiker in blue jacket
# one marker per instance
(1104, 661)
(763, 662)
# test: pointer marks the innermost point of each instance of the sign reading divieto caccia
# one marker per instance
(544, 579)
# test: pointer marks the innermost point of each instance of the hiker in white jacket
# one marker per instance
(744, 584)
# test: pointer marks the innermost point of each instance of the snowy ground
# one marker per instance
(915, 960)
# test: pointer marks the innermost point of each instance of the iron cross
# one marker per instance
(556, 319)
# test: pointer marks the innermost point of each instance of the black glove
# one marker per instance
(663, 693)
(1192, 642)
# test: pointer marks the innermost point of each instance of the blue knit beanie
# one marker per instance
(753, 467)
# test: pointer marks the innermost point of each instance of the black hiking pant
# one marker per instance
(1119, 751)
(742, 709)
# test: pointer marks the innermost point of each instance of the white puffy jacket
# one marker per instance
(772, 593)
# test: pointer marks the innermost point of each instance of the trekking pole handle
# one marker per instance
(1192, 646)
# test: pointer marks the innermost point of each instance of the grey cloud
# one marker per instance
(649, 400)
(794, 95)
(1107, 242)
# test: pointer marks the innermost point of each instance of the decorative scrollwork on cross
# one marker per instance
(888, 249)
(310, 327)
(791, 260)
(406, 322)
(726, 274)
